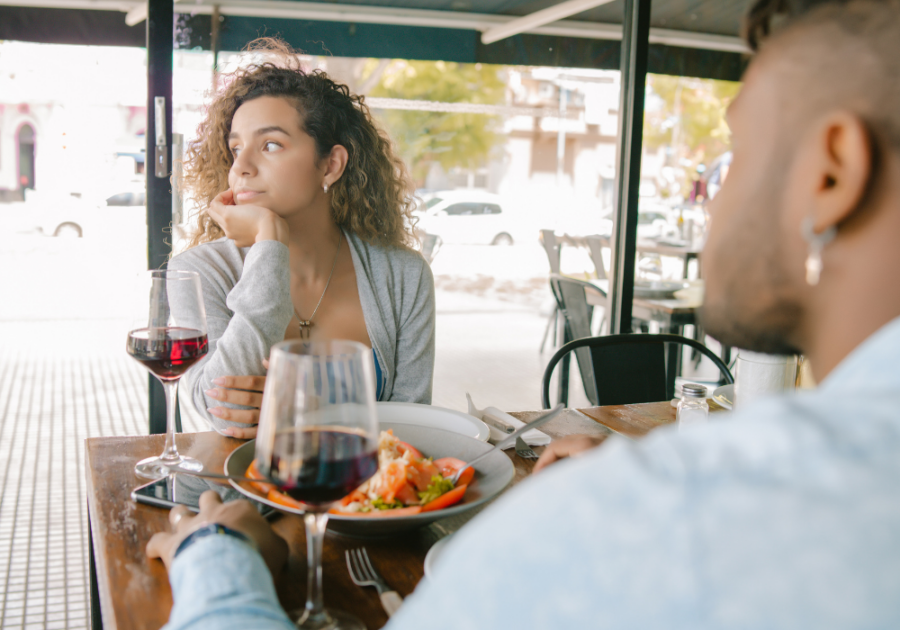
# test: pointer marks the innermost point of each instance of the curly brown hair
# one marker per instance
(374, 196)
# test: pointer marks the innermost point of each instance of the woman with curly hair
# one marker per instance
(305, 233)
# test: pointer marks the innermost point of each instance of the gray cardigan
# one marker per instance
(248, 307)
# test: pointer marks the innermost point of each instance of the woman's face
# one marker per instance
(274, 159)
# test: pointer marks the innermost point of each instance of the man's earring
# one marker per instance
(817, 243)
(325, 187)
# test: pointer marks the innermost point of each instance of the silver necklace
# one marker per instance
(306, 324)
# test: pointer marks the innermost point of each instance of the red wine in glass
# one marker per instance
(320, 465)
(167, 352)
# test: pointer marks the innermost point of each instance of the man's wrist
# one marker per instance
(212, 529)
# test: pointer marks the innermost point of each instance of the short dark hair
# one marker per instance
(840, 53)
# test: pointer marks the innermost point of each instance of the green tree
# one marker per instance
(450, 139)
(687, 116)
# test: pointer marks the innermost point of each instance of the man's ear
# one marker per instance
(335, 163)
(842, 153)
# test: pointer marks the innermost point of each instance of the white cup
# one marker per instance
(760, 375)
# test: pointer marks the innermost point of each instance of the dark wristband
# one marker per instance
(211, 529)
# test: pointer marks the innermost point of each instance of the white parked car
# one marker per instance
(67, 216)
(467, 217)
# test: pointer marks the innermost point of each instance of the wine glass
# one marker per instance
(168, 335)
(317, 441)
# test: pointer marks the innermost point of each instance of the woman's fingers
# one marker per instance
(244, 416)
(235, 396)
(253, 383)
(241, 434)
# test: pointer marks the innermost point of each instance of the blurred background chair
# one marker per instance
(625, 369)
(431, 245)
(552, 247)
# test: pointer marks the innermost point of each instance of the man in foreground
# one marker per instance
(787, 515)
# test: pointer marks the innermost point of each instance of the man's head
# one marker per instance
(816, 134)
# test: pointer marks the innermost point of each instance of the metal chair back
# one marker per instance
(625, 369)
(552, 247)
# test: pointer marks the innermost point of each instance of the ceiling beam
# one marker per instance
(328, 12)
(539, 18)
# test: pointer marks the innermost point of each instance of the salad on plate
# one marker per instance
(406, 483)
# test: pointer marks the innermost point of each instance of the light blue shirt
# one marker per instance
(783, 515)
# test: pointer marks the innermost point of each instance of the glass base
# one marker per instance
(330, 620)
(158, 468)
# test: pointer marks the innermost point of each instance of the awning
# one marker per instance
(688, 37)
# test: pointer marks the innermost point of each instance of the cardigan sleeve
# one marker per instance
(248, 308)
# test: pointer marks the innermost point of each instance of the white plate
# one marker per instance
(434, 555)
(433, 417)
(724, 396)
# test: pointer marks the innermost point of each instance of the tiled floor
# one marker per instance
(48, 405)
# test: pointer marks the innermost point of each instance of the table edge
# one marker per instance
(107, 612)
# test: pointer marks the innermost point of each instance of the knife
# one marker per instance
(497, 423)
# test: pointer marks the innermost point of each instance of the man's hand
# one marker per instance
(238, 515)
(247, 224)
(570, 446)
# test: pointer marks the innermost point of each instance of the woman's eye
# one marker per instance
(234, 151)
(272, 146)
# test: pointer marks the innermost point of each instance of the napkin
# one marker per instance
(532, 438)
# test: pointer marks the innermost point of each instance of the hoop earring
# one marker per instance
(817, 243)
(325, 187)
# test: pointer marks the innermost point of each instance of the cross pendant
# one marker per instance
(305, 325)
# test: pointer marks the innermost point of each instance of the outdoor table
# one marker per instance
(686, 252)
(636, 421)
(132, 591)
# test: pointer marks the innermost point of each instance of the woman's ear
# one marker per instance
(335, 163)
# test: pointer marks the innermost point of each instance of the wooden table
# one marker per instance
(132, 591)
(636, 421)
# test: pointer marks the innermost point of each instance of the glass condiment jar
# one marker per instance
(692, 408)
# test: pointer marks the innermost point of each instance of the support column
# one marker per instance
(160, 42)
(635, 45)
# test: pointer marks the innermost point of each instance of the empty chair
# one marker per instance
(431, 244)
(624, 369)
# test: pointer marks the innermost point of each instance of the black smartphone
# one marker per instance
(186, 490)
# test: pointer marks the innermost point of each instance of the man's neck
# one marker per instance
(859, 292)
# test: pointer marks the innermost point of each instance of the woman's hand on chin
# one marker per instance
(247, 224)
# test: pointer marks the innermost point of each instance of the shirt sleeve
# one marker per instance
(221, 583)
(414, 373)
(244, 321)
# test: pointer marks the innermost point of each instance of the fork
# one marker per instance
(524, 451)
(364, 574)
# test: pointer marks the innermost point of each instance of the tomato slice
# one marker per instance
(253, 473)
(393, 478)
(282, 499)
(446, 500)
(407, 511)
(448, 467)
(404, 447)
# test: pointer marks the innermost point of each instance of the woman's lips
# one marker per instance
(246, 195)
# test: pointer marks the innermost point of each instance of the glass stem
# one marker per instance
(171, 389)
(315, 537)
